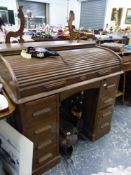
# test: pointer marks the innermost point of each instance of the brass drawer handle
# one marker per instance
(111, 86)
(108, 100)
(44, 144)
(107, 114)
(47, 156)
(40, 112)
(43, 129)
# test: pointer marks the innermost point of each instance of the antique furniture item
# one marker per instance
(77, 35)
(38, 87)
(20, 32)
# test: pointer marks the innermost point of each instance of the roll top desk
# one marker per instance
(38, 87)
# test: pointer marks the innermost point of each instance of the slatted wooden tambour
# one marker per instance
(38, 86)
(40, 75)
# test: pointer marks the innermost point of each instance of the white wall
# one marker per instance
(117, 4)
(76, 7)
(59, 12)
(10, 4)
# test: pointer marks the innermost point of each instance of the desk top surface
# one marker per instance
(48, 44)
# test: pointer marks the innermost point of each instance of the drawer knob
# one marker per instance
(105, 85)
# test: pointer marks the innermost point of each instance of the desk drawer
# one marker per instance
(104, 117)
(103, 123)
(45, 155)
(106, 101)
(101, 131)
(47, 130)
(108, 91)
(40, 109)
(111, 80)
(109, 86)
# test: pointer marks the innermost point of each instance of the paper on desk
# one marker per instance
(16, 151)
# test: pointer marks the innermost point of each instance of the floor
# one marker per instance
(111, 153)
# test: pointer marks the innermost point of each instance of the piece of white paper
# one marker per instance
(16, 151)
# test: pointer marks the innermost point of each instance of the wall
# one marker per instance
(10, 4)
(76, 7)
(117, 4)
(59, 10)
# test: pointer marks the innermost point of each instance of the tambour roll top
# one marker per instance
(24, 78)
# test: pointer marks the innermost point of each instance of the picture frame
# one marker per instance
(128, 16)
(116, 15)
(113, 14)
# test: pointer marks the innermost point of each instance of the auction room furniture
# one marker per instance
(126, 58)
(39, 86)
(125, 81)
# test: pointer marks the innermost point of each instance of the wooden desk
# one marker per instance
(126, 63)
(125, 81)
(39, 86)
(126, 58)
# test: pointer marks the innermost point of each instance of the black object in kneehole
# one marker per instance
(67, 152)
